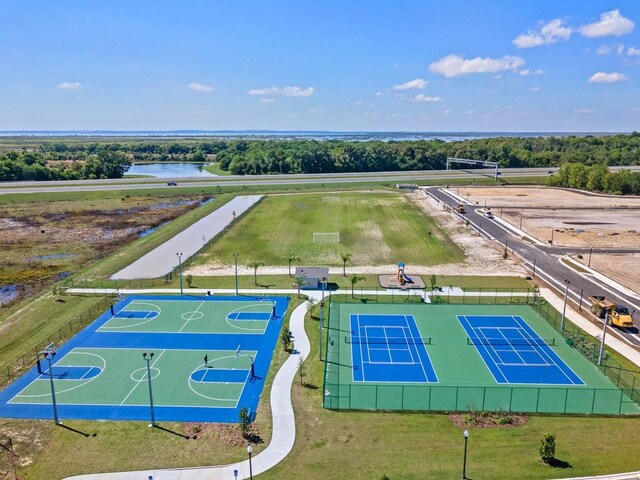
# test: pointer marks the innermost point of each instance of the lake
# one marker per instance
(169, 170)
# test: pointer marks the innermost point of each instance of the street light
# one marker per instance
(464, 461)
(48, 353)
(564, 306)
(235, 261)
(147, 358)
(321, 322)
(604, 336)
(250, 451)
(180, 267)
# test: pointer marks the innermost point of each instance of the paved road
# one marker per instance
(547, 265)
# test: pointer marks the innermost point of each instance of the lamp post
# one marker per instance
(321, 322)
(604, 336)
(147, 358)
(250, 451)
(235, 262)
(180, 267)
(564, 306)
(48, 354)
(590, 252)
(464, 459)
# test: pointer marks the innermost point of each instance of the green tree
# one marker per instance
(302, 370)
(433, 280)
(354, 279)
(291, 257)
(548, 447)
(255, 264)
(300, 282)
(189, 279)
(245, 422)
(346, 257)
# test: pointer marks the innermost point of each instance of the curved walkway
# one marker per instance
(284, 427)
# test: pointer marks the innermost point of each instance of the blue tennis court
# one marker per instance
(515, 353)
(389, 348)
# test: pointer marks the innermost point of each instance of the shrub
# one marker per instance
(548, 447)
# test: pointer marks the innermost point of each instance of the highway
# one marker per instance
(548, 266)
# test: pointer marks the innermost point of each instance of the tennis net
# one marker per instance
(387, 340)
(516, 342)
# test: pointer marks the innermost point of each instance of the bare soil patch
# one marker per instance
(488, 419)
(623, 268)
(227, 434)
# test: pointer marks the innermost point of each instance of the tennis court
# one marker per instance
(210, 358)
(388, 348)
(445, 357)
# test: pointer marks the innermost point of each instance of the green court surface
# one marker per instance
(466, 376)
(114, 376)
(187, 316)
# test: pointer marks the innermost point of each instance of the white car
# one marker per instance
(488, 214)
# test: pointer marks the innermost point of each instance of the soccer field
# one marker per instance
(207, 357)
(376, 228)
(457, 358)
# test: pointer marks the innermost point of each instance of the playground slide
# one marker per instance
(407, 278)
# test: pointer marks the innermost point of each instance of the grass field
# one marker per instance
(376, 228)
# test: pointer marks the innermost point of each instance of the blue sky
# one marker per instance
(531, 65)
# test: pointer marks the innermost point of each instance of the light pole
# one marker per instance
(590, 252)
(250, 451)
(147, 358)
(604, 336)
(564, 306)
(464, 459)
(180, 267)
(235, 261)
(48, 354)
(321, 322)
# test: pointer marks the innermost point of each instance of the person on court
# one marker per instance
(206, 360)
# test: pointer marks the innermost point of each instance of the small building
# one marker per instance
(313, 276)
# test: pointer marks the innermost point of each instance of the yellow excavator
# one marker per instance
(460, 208)
(618, 315)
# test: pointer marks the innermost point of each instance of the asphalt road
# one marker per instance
(548, 266)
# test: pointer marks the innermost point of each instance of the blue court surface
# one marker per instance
(514, 352)
(389, 348)
(204, 350)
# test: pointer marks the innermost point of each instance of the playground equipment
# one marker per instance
(403, 278)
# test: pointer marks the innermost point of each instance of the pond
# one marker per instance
(170, 170)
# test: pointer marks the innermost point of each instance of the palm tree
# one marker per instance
(346, 257)
(300, 282)
(291, 257)
(255, 264)
(354, 279)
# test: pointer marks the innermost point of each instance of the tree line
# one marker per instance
(60, 160)
(596, 178)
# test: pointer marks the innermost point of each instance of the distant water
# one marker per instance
(169, 170)
(297, 134)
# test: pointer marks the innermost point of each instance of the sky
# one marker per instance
(333, 65)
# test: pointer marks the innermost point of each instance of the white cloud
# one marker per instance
(551, 32)
(535, 89)
(446, 112)
(470, 112)
(426, 99)
(603, 49)
(602, 77)
(584, 110)
(200, 87)
(633, 51)
(380, 94)
(455, 66)
(268, 100)
(526, 72)
(284, 91)
(610, 24)
(69, 85)
(417, 83)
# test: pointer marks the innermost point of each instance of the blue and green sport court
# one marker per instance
(459, 357)
(203, 349)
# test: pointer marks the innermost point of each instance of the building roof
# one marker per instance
(312, 272)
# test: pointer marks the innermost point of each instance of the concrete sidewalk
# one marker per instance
(284, 428)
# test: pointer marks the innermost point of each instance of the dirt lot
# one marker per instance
(623, 268)
(602, 226)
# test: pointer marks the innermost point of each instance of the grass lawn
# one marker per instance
(359, 445)
(376, 228)
(215, 169)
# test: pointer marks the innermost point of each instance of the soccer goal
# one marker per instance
(333, 237)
